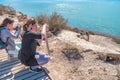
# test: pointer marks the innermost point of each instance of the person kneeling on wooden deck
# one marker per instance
(30, 40)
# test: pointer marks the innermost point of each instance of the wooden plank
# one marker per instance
(8, 77)
(36, 76)
(7, 70)
(9, 66)
(4, 59)
(15, 69)
(25, 76)
(7, 63)
(5, 75)
(20, 73)
(42, 78)
(2, 52)
(2, 56)
(33, 76)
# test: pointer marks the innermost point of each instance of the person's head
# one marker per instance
(8, 23)
(30, 25)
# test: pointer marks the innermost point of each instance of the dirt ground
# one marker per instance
(87, 65)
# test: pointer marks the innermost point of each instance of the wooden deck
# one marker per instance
(14, 70)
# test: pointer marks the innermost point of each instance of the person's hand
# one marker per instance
(18, 27)
(44, 31)
(43, 36)
(39, 41)
(45, 25)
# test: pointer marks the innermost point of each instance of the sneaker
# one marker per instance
(36, 70)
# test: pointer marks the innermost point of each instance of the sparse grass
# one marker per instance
(68, 46)
(117, 40)
(56, 23)
(71, 52)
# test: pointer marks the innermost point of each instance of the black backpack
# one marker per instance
(3, 45)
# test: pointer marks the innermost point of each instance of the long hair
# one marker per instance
(6, 21)
(30, 21)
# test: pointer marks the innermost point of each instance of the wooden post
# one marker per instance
(47, 45)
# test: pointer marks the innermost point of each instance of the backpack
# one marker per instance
(3, 45)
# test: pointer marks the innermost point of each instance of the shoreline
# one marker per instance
(78, 30)
(89, 21)
(13, 13)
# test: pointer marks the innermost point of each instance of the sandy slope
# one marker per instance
(86, 68)
(96, 43)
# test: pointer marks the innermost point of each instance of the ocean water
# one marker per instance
(101, 16)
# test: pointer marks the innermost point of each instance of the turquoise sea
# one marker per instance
(96, 15)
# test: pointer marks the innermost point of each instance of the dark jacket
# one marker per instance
(28, 50)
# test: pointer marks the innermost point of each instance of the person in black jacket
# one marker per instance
(30, 40)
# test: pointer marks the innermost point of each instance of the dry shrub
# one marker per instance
(56, 22)
(42, 19)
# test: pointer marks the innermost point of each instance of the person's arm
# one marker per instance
(17, 33)
(43, 34)
(7, 33)
(44, 31)
(32, 35)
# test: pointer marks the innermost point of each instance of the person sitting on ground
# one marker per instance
(30, 40)
(8, 37)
